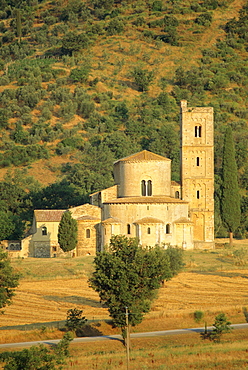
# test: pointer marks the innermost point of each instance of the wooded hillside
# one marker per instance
(84, 83)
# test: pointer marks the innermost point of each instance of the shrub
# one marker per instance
(115, 26)
(157, 6)
(142, 78)
(198, 316)
(170, 22)
(79, 74)
(72, 42)
(204, 19)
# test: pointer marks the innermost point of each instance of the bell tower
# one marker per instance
(197, 170)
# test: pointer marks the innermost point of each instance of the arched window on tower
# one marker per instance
(148, 230)
(177, 194)
(167, 229)
(197, 161)
(198, 131)
(149, 188)
(198, 194)
(87, 233)
(143, 188)
(128, 229)
(44, 230)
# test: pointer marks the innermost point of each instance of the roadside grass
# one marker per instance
(173, 352)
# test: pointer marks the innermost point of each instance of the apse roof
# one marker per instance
(145, 155)
(149, 220)
(183, 220)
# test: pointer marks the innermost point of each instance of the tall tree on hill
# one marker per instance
(230, 199)
(67, 233)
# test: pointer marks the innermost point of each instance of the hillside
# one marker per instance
(86, 82)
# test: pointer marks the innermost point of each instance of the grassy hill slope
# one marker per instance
(86, 82)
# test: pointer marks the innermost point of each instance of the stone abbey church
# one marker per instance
(144, 202)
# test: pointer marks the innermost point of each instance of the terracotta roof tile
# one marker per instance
(48, 215)
(87, 218)
(175, 183)
(112, 220)
(153, 199)
(149, 220)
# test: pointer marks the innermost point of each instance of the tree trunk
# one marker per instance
(231, 239)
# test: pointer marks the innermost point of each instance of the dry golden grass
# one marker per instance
(174, 352)
(50, 287)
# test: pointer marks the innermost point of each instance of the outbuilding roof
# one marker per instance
(48, 215)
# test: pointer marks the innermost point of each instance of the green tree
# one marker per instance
(230, 199)
(142, 78)
(72, 42)
(128, 276)
(221, 326)
(67, 232)
(8, 280)
(7, 224)
(75, 321)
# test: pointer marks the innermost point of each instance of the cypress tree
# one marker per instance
(18, 25)
(230, 199)
(67, 232)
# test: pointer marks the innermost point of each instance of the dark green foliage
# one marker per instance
(170, 22)
(120, 144)
(104, 4)
(115, 26)
(230, 198)
(79, 74)
(204, 19)
(21, 155)
(157, 6)
(8, 280)
(128, 276)
(7, 224)
(3, 118)
(60, 195)
(73, 42)
(75, 321)
(38, 357)
(198, 316)
(67, 232)
(221, 326)
(142, 78)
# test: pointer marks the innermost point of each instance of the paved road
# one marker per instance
(118, 337)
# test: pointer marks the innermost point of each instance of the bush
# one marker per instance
(79, 74)
(142, 78)
(170, 22)
(115, 26)
(157, 6)
(198, 316)
(204, 19)
(72, 42)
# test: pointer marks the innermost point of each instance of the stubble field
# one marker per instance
(211, 282)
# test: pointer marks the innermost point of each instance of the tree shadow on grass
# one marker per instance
(75, 300)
